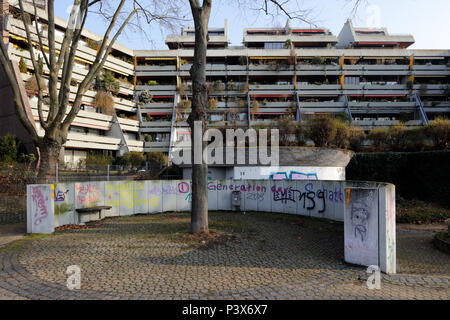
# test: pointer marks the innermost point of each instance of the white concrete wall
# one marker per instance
(367, 209)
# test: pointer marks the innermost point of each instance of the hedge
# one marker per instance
(416, 175)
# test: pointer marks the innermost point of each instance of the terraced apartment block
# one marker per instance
(364, 74)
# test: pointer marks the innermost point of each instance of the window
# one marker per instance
(274, 45)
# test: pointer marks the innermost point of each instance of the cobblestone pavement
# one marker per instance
(262, 256)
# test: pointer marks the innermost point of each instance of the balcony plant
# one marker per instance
(145, 97)
(185, 105)
(107, 82)
(212, 104)
(103, 100)
(219, 86)
(23, 66)
(231, 86)
(152, 83)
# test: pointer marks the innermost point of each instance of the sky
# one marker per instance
(427, 20)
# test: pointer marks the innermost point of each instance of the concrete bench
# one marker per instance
(91, 210)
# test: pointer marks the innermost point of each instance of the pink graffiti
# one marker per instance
(183, 187)
(87, 194)
(40, 204)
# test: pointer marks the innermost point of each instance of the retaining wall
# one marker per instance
(367, 209)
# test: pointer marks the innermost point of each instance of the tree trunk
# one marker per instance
(49, 150)
(199, 214)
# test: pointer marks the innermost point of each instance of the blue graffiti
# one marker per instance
(293, 175)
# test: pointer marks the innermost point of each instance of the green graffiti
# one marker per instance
(63, 208)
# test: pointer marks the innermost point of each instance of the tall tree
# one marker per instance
(201, 14)
(60, 65)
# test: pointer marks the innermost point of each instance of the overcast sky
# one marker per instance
(427, 20)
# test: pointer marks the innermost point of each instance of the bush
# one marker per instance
(341, 139)
(254, 106)
(107, 82)
(378, 136)
(23, 66)
(416, 175)
(135, 159)
(98, 160)
(417, 140)
(356, 138)
(231, 86)
(185, 105)
(105, 101)
(9, 148)
(145, 97)
(301, 134)
(438, 131)
(148, 138)
(157, 158)
(212, 104)
(32, 85)
(397, 137)
(219, 86)
(322, 130)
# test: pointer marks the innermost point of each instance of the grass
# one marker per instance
(19, 244)
(444, 236)
(420, 212)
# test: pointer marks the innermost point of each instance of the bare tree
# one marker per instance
(201, 13)
(60, 114)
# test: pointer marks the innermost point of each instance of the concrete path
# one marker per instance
(260, 256)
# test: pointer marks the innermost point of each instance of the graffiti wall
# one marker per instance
(367, 209)
(361, 226)
(40, 208)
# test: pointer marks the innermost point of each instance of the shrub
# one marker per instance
(378, 136)
(322, 130)
(148, 138)
(107, 82)
(341, 138)
(397, 137)
(32, 85)
(9, 147)
(356, 138)
(185, 105)
(244, 87)
(318, 60)
(231, 86)
(105, 101)
(145, 97)
(301, 134)
(98, 160)
(242, 103)
(158, 158)
(219, 86)
(134, 158)
(255, 106)
(23, 66)
(94, 45)
(438, 131)
(40, 66)
(152, 83)
(417, 140)
(212, 104)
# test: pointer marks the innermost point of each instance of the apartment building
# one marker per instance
(111, 132)
(366, 75)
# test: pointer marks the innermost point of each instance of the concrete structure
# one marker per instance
(366, 75)
(295, 163)
(367, 209)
